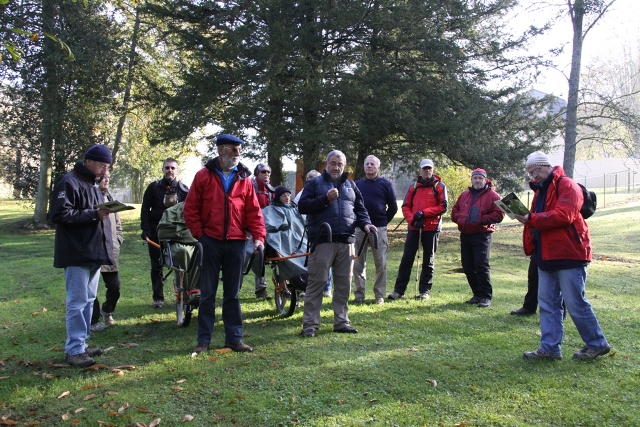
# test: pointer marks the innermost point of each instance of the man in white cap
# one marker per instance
(424, 204)
(557, 237)
(477, 215)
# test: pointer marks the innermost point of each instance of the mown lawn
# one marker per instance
(434, 363)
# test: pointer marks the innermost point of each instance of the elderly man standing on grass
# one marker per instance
(83, 243)
(334, 199)
(476, 215)
(220, 209)
(380, 201)
(557, 236)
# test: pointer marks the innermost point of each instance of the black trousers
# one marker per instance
(157, 282)
(531, 298)
(429, 247)
(112, 283)
(475, 251)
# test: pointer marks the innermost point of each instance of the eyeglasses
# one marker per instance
(235, 150)
(103, 166)
(170, 168)
(535, 172)
(265, 171)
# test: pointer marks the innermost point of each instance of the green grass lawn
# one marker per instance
(434, 363)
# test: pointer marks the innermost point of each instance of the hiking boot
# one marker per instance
(238, 346)
(539, 354)
(394, 296)
(591, 353)
(424, 295)
(522, 312)
(474, 300)
(97, 327)
(484, 302)
(201, 347)
(327, 294)
(308, 333)
(263, 294)
(380, 301)
(157, 304)
(93, 351)
(107, 317)
(81, 360)
(358, 300)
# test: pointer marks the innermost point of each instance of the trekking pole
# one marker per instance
(418, 269)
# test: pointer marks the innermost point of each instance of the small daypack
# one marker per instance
(590, 200)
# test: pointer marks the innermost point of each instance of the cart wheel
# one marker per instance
(285, 299)
(183, 314)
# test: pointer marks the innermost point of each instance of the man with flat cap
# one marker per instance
(221, 205)
(476, 214)
(423, 206)
(83, 243)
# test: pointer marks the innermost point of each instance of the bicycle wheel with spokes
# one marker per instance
(286, 299)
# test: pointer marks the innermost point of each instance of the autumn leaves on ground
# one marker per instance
(414, 363)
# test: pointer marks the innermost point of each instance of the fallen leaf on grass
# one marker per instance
(213, 359)
(78, 410)
(461, 424)
(125, 367)
(142, 409)
(433, 382)
(223, 350)
(104, 423)
(118, 372)
(64, 394)
(111, 393)
(123, 408)
(273, 380)
(373, 400)
(154, 320)
(107, 349)
(59, 365)
(187, 418)
(95, 367)
(7, 422)
(128, 344)
(2, 361)
(89, 387)
(200, 372)
(89, 397)
(177, 388)
(5, 378)
(66, 416)
(181, 381)
(155, 422)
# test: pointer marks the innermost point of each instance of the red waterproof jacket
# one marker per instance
(264, 192)
(208, 210)
(564, 234)
(428, 197)
(479, 216)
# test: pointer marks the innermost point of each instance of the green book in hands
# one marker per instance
(114, 206)
(512, 206)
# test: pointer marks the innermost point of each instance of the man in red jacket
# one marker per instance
(476, 215)
(424, 204)
(557, 237)
(220, 206)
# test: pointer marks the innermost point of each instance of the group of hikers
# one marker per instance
(223, 208)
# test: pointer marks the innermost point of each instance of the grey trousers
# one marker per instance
(339, 257)
(380, 260)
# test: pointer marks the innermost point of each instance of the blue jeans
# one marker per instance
(553, 286)
(82, 286)
(228, 256)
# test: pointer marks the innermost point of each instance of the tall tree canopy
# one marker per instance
(393, 78)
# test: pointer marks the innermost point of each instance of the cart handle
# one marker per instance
(365, 240)
(152, 243)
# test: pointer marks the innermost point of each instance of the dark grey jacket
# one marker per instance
(80, 235)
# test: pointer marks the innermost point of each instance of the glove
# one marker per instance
(144, 235)
(417, 216)
(419, 224)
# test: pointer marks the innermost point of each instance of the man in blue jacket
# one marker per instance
(380, 201)
(333, 199)
(83, 243)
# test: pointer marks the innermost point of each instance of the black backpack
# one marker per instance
(590, 200)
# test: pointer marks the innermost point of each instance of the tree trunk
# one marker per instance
(127, 89)
(48, 114)
(570, 137)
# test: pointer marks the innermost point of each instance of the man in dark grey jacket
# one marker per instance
(334, 199)
(83, 243)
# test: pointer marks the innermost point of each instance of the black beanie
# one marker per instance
(99, 153)
(280, 190)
